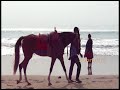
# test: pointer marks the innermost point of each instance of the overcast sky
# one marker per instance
(62, 14)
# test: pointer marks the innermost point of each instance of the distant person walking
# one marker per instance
(74, 51)
(89, 51)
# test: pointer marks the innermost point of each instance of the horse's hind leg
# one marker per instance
(20, 67)
(25, 67)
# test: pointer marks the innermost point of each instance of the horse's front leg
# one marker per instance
(63, 65)
(51, 67)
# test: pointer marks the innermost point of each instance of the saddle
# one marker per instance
(48, 44)
(48, 38)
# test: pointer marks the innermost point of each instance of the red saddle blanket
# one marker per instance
(49, 45)
(42, 46)
(42, 42)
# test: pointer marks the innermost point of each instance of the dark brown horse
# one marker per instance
(29, 44)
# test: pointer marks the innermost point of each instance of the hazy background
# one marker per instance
(62, 14)
(99, 18)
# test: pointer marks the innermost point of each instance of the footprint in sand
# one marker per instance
(9, 85)
(37, 81)
(110, 80)
(103, 81)
(87, 78)
(2, 81)
(40, 81)
(57, 82)
(28, 87)
(100, 78)
(19, 87)
(10, 80)
(93, 81)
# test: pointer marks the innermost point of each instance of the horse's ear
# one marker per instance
(55, 29)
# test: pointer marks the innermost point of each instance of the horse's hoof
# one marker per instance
(29, 83)
(18, 81)
(49, 84)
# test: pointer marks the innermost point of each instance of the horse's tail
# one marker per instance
(17, 47)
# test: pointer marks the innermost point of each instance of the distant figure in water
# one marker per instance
(74, 52)
(89, 53)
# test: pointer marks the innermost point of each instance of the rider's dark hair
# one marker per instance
(76, 30)
(89, 35)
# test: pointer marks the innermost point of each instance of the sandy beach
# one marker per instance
(104, 73)
(102, 65)
(40, 82)
(39, 21)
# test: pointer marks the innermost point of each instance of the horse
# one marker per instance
(29, 43)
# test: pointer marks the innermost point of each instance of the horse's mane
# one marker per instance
(66, 37)
(65, 34)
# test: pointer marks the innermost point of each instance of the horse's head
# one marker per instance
(67, 38)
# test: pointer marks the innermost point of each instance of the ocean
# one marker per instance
(105, 49)
(105, 42)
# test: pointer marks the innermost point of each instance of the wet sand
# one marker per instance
(102, 65)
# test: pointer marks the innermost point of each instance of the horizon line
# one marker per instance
(52, 29)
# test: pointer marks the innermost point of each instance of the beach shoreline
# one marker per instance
(105, 71)
(41, 82)
(102, 65)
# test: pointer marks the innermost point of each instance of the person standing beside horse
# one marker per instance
(89, 52)
(74, 52)
(38, 44)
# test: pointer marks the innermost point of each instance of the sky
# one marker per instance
(60, 14)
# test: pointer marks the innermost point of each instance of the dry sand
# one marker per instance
(40, 82)
(105, 71)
